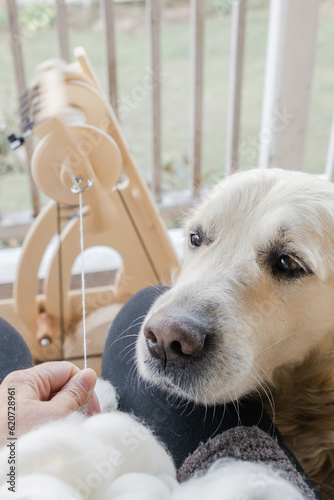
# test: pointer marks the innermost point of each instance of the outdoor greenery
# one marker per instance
(39, 42)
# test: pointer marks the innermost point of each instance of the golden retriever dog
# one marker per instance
(252, 309)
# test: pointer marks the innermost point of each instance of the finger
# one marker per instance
(53, 376)
(42, 380)
(76, 393)
(93, 405)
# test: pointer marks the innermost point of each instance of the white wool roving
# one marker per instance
(236, 480)
(40, 487)
(136, 486)
(106, 394)
(87, 454)
(111, 456)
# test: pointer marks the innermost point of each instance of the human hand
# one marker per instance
(46, 392)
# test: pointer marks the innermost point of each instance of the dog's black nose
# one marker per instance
(173, 339)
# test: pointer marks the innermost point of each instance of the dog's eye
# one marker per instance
(195, 240)
(287, 264)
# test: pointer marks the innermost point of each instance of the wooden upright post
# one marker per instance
(153, 24)
(197, 34)
(236, 66)
(17, 41)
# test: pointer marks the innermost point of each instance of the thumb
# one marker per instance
(78, 391)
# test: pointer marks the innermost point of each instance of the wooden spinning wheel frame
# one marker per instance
(81, 139)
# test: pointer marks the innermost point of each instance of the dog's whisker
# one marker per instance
(260, 380)
(133, 324)
(132, 352)
(186, 405)
(130, 360)
(123, 338)
(267, 392)
(238, 408)
(132, 371)
(205, 413)
(136, 381)
(264, 371)
(262, 410)
(264, 384)
(219, 424)
(138, 318)
(155, 287)
(131, 346)
(235, 405)
(214, 412)
(280, 340)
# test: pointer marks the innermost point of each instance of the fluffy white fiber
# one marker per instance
(111, 456)
(106, 394)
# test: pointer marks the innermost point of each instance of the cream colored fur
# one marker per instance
(267, 333)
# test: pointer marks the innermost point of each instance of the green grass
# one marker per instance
(131, 59)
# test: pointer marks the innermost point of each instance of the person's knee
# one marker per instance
(14, 352)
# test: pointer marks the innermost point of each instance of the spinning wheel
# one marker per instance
(82, 149)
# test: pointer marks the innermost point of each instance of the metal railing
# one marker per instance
(286, 97)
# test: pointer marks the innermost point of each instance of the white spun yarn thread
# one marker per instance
(77, 190)
(111, 456)
(83, 299)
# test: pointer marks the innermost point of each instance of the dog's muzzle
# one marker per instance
(174, 340)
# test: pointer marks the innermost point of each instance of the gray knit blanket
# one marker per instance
(248, 444)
